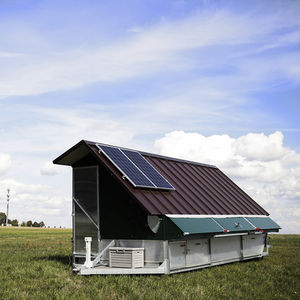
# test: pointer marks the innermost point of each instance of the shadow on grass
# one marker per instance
(64, 259)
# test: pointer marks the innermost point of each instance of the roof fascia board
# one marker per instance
(60, 158)
(214, 216)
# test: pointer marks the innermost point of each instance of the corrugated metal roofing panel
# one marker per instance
(263, 223)
(203, 190)
(196, 226)
(200, 189)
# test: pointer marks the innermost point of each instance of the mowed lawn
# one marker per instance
(36, 264)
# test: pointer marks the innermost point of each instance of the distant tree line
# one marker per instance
(15, 222)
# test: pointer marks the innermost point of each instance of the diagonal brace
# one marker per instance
(85, 212)
(97, 259)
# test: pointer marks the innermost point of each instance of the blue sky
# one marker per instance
(143, 74)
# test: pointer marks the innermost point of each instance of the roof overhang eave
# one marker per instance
(72, 155)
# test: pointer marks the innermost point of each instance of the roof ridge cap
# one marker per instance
(144, 153)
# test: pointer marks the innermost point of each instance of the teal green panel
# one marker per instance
(263, 222)
(197, 225)
(234, 224)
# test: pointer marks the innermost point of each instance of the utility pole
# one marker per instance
(7, 207)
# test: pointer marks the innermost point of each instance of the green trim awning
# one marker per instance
(235, 224)
(265, 223)
(199, 225)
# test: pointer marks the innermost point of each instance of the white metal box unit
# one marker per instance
(121, 257)
(253, 245)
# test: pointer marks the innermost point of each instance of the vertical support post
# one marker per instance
(242, 247)
(266, 245)
(186, 251)
(73, 219)
(88, 263)
(209, 249)
(98, 208)
(73, 231)
(166, 257)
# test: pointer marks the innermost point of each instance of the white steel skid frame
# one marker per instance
(165, 267)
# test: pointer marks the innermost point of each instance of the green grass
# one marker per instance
(36, 264)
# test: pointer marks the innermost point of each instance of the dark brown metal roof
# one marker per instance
(199, 188)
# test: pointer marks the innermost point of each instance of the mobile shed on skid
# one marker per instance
(142, 213)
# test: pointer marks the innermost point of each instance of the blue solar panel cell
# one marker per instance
(135, 167)
(158, 180)
(119, 159)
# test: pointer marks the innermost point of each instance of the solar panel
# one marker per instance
(155, 177)
(136, 168)
(134, 175)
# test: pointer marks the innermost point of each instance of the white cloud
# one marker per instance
(161, 48)
(5, 163)
(49, 168)
(260, 147)
(216, 149)
(35, 202)
(261, 164)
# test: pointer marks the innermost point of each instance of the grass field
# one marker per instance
(36, 264)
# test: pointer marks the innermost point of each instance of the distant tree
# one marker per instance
(35, 224)
(42, 224)
(29, 223)
(23, 224)
(2, 218)
(14, 222)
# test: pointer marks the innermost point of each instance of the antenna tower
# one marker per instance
(7, 207)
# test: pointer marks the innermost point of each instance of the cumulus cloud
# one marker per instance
(261, 164)
(34, 201)
(5, 163)
(49, 169)
(255, 146)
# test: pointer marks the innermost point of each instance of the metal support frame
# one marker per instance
(73, 219)
(267, 246)
(103, 270)
(166, 257)
(98, 208)
(242, 247)
(85, 212)
(230, 234)
(98, 257)
(164, 266)
(209, 250)
(75, 201)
